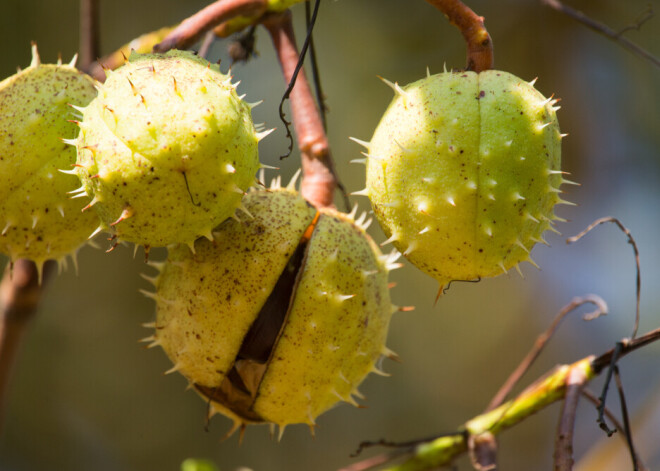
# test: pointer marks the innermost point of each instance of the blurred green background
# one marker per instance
(85, 395)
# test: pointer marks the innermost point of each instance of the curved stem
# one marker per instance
(542, 340)
(479, 44)
(563, 455)
(193, 28)
(631, 241)
(606, 31)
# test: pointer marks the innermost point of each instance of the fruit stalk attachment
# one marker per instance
(224, 17)
(193, 28)
(471, 25)
(319, 177)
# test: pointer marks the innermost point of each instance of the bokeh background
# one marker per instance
(86, 396)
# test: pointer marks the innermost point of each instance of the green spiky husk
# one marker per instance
(335, 325)
(167, 149)
(463, 172)
(38, 219)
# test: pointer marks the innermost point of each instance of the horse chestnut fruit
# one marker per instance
(463, 172)
(38, 219)
(167, 149)
(280, 316)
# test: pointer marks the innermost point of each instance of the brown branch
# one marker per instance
(193, 28)
(631, 241)
(89, 33)
(20, 292)
(319, 178)
(479, 45)
(627, 346)
(563, 455)
(603, 29)
(542, 340)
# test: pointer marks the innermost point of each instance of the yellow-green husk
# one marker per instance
(336, 321)
(38, 218)
(463, 172)
(167, 149)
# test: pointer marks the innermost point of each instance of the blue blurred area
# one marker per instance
(85, 395)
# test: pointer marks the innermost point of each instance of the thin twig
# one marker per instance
(192, 28)
(319, 177)
(603, 395)
(542, 340)
(316, 77)
(479, 45)
(400, 445)
(597, 402)
(377, 460)
(563, 455)
(623, 348)
(320, 97)
(90, 48)
(603, 29)
(204, 49)
(442, 451)
(619, 426)
(20, 293)
(643, 17)
(624, 415)
(294, 76)
(631, 241)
